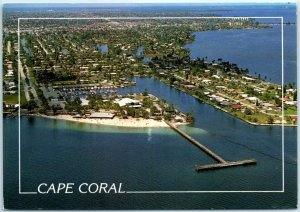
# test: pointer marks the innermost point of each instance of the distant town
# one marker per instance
(73, 69)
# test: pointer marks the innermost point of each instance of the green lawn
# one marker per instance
(289, 111)
(10, 98)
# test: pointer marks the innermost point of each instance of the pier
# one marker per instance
(221, 162)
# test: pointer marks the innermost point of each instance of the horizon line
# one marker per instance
(132, 2)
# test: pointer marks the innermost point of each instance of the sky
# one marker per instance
(143, 1)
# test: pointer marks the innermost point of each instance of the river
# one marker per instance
(150, 160)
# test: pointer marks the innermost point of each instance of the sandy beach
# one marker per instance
(130, 122)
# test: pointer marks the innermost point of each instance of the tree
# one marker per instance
(145, 93)
(248, 111)
(147, 102)
(145, 114)
(295, 96)
(30, 105)
(172, 79)
(256, 103)
(170, 108)
(167, 116)
(77, 101)
(130, 111)
(190, 118)
(270, 120)
(278, 102)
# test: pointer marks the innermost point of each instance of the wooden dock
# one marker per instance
(221, 162)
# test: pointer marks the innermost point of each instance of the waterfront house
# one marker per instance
(292, 103)
(248, 78)
(190, 87)
(236, 107)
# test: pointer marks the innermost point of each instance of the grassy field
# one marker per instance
(13, 98)
(10, 98)
(290, 111)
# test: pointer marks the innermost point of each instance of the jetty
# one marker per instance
(221, 163)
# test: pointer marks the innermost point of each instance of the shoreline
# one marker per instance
(115, 122)
(219, 108)
(144, 123)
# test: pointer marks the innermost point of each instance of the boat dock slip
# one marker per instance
(221, 162)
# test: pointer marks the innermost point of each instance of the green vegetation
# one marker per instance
(73, 59)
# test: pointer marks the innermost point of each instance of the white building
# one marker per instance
(128, 101)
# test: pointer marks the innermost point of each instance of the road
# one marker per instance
(23, 78)
(32, 89)
(8, 47)
(45, 50)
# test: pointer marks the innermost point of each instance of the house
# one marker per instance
(57, 102)
(84, 102)
(127, 101)
(244, 95)
(226, 103)
(294, 117)
(292, 103)
(236, 107)
(266, 104)
(248, 78)
(253, 99)
(221, 87)
(206, 81)
(216, 76)
(190, 87)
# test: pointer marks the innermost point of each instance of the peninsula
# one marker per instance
(75, 68)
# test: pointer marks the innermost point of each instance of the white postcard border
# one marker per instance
(154, 18)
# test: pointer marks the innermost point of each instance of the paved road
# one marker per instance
(23, 78)
(8, 47)
(33, 91)
(45, 50)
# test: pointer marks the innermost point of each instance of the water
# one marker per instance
(259, 50)
(139, 53)
(65, 51)
(150, 160)
(23, 43)
(103, 48)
